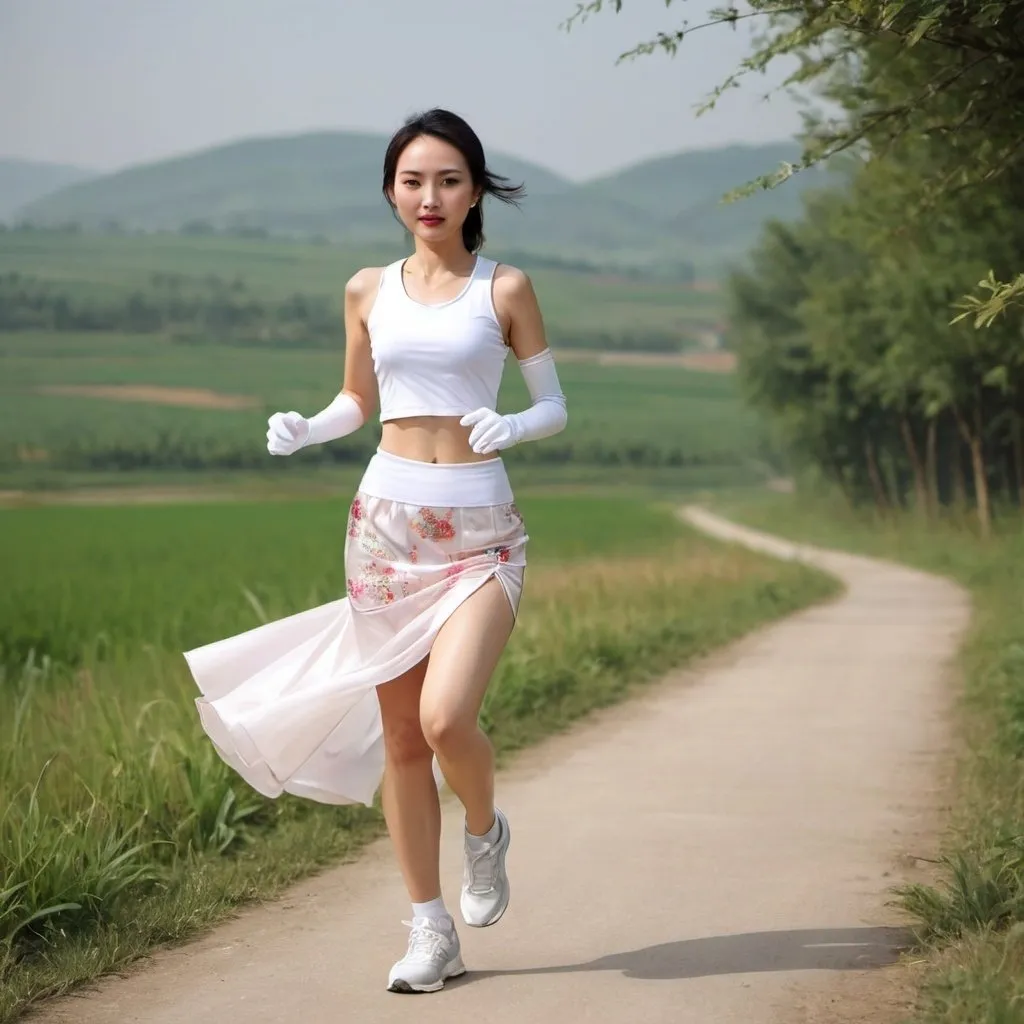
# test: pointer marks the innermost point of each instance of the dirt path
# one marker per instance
(155, 394)
(717, 851)
(707, 361)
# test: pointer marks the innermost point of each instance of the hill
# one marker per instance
(684, 190)
(676, 182)
(327, 184)
(324, 183)
(24, 181)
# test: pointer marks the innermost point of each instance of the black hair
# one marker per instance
(450, 128)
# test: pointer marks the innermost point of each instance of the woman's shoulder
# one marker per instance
(512, 284)
(363, 287)
(364, 282)
(362, 290)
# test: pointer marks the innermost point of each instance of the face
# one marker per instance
(433, 189)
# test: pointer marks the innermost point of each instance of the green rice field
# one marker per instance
(620, 416)
(87, 266)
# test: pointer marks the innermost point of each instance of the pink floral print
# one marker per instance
(376, 582)
(394, 553)
(355, 516)
(432, 527)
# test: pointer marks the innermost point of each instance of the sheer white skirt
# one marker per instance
(292, 705)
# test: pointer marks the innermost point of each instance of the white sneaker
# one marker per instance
(434, 955)
(485, 888)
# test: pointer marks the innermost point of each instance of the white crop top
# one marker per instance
(438, 360)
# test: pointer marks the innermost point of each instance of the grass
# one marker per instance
(85, 581)
(971, 923)
(122, 828)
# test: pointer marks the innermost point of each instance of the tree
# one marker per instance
(841, 336)
(965, 87)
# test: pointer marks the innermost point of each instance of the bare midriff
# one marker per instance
(436, 439)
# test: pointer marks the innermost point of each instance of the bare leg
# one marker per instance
(409, 793)
(459, 669)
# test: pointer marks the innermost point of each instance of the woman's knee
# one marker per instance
(444, 728)
(405, 743)
(399, 701)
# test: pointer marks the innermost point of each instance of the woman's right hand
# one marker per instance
(287, 432)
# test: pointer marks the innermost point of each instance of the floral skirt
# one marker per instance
(292, 705)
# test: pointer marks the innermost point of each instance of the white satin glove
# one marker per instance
(491, 431)
(289, 431)
(546, 416)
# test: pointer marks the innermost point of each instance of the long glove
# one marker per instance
(290, 431)
(546, 416)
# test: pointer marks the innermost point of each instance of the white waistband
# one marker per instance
(451, 485)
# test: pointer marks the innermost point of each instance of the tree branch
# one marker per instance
(670, 41)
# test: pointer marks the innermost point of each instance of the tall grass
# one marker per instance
(122, 827)
(971, 921)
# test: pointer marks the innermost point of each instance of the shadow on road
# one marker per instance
(812, 949)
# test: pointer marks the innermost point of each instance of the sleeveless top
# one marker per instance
(436, 360)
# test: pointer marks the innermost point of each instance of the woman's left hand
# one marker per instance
(490, 432)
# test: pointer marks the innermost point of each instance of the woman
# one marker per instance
(384, 687)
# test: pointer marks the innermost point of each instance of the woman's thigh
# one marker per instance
(463, 658)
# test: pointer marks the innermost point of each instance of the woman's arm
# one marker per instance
(360, 381)
(352, 406)
(518, 311)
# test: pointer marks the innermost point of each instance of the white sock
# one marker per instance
(434, 909)
(491, 836)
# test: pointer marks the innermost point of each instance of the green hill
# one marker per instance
(24, 181)
(327, 184)
(671, 184)
(684, 190)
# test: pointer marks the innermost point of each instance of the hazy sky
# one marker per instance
(105, 83)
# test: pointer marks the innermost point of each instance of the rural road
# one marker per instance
(716, 851)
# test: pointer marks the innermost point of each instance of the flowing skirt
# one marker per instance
(292, 705)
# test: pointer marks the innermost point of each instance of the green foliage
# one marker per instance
(982, 891)
(976, 47)
(979, 980)
(842, 332)
(1001, 297)
(854, 353)
(901, 71)
(64, 884)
